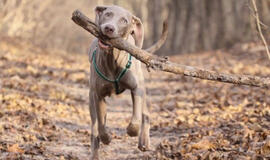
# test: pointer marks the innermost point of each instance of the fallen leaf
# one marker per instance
(206, 143)
(266, 147)
(15, 148)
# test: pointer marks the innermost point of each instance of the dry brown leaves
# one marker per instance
(44, 113)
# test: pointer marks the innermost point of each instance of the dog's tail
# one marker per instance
(162, 39)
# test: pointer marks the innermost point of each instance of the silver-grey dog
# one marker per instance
(115, 70)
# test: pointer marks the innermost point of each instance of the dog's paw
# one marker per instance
(94, 157)
(144, 142)
(105, 138)
(133, 129)
(144, 147)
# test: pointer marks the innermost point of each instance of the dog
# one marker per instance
(112, 71)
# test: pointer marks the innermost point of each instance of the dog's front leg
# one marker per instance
(137, 100)
(98, 117)
(101, 116)
(94, 127)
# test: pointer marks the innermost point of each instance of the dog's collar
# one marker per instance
(121, 74)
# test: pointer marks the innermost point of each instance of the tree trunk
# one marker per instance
(204, 24)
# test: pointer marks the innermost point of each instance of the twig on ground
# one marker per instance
(162, 63)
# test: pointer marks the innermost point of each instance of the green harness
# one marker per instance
(116, 81)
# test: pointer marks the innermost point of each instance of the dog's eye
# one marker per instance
(132, 32)
(124, 20)
(108, 14)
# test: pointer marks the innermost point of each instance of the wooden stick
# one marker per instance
(162, 63)
(258, 22)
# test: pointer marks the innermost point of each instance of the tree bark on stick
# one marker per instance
(162, 63)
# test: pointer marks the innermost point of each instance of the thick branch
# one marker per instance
(161, 63)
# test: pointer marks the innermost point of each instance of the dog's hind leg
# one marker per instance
(144, 139)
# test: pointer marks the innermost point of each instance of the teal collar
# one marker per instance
(121, 74)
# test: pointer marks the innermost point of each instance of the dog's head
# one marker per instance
(116, 22)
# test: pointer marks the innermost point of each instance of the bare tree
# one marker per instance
(204, 24)
(194, 24)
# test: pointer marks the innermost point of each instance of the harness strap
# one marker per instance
(121, 74)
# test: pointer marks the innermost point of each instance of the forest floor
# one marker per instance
(44, 108)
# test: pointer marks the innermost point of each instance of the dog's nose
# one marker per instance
(109, 29)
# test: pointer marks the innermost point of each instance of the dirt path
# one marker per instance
(44, 109)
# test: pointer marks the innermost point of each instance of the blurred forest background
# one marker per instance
(194, 24)
(44, 87)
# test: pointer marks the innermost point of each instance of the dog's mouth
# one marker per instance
(103, 45)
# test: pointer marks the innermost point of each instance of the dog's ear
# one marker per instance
(138, 31)
(99, 10)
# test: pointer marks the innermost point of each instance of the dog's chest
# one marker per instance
(106, 89)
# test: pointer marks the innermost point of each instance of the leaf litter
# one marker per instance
(44, 108)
